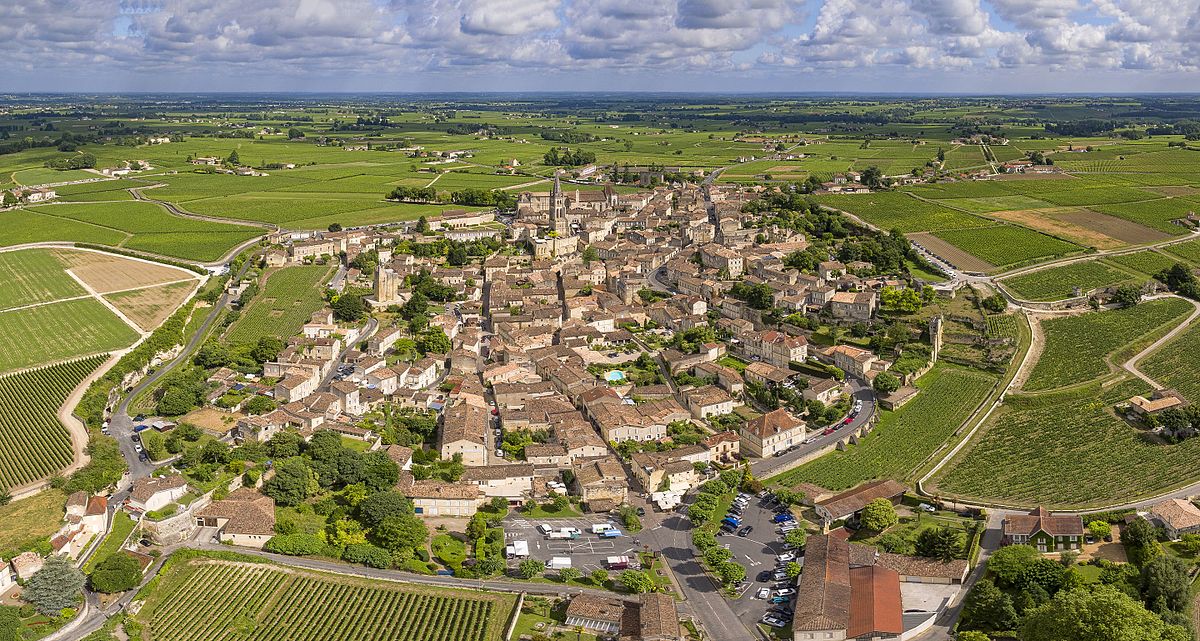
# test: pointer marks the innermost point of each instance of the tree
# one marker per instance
(118, 572)
(885, 383)
(879, 515)
(569, 574)
(335, 227)
(715, 556)
(973, 635)
(797, 537)
(1139, 533)
(996, 303)
(905, 300)
(599, 577)
(10, 621)
(57, 586)
(1010, 561)
(1044, 573)
(434, 340)
(944, 543)
(258, 405)
(1102, 614)
(233, 158)
(732, 573)
(987, 607)
(530, 568)
(422, 225)
(1100, 529)
(498, 504)
(1127, 295)
(590, 254)
(456, 255)
(793, 569)
(636, 581)
(349, 307)
(872, 177)
(294, 482)
(1166, 578)
(294, 134)
(399, 532)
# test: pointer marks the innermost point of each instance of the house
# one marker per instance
(857, 361)
(770, 433)
(464, 431)
(652, 617)
(853, 305)
(834, 601)
(825, 390)
(27, 564)
(438, 498)
(245, 518)
(662, 472)
(155, 493)
(1176, 516)
(1160, 399)
(7, 578)
(849, 503)
(707, 401)
(513, 482)
(723, 447)
(400, 455)
(776, 348)
(1045, 532)
(600, 481)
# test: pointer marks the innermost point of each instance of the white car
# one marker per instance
(785, 592)
(763, 593)
(925, 507)
(785, 557)
(774, 622)
(544, 528)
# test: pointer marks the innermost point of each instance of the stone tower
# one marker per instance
(387, 285)
(558, 209)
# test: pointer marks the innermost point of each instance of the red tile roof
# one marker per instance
(875, 605)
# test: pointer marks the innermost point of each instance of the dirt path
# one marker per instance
(112, 308)
(1037, 343)
(1131, 364)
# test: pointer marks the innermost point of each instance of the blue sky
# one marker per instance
(913, 46)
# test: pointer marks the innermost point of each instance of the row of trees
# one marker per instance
(564, 157)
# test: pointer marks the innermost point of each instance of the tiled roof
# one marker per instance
(823, 592)
(248, 512)
(843, 505)
(1177, 513)
(773, 423)
(875, 604)
(1040, 520)
(596, 608)
(145, 488)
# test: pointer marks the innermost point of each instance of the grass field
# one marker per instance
(34, 276)
(28, 520)
(1067, 450)
(1057, 283)
(203, 600)
(33, 443)
(1006, 245)
(1077, 347)
(59, 331)
(286, 301)
(903, 439)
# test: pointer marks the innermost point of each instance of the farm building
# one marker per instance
(1045, 532)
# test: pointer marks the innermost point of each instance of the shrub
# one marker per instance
(295, 544)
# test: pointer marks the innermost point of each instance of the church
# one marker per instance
(556, 238)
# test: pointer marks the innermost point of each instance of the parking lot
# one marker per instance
(758, 551)
(588, 552)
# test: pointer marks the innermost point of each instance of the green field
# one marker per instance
(1077, 347)
(897, 210)
(1174, 364)
(1057, 283)
(905, 438)
(1147, 263)
(1067, 450)
(286, 302)
(59, 331)
(34, 276)
(203, 600)
(33, 443)
(1007, 245)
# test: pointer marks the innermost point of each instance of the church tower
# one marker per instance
(558, 207)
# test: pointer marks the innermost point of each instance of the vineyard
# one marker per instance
(33, 443)
(1004, 326)
(1077, 346)
(895, 210)
(1189, 251)
(60, 331)
(34, 276)
(1057, 283)
(205, 599)
(1006, 245)
(902, 439)
(286, 302)
(1147, 263)
(1174, 364)
(1067, 450)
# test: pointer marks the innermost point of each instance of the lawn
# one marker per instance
(1077, 347)
(1007, 245)
(123, 525)
(903, 439)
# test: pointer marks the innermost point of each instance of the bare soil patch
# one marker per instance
(1175, 190)
(1058, 176)
(151, 306)
(108, 273)
(955, 256)
(1048, 221)
(1119, 228)
(212, 420)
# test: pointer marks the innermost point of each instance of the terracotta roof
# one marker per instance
(1177, 513)
(875, 606)
(847, 503)
(1040, 520)
(596, 608)
(145, 488)
(823, 592)
(97, 505)
(653, 617)
(464, 422)
(441, 490)
(909, 566)
(773, 423)
(247, 511)
(399, 454)
(497, 472)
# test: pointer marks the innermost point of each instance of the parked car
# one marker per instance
(744, 532)
(848, 421)
(544, 528)
(641, 511)
(827, 432)
(785, 557)
(763, 593)
(764, 576)
(925, 507)
(783, 518)
(779, 599)
(785, 592)
(779, 575)
(774, 622)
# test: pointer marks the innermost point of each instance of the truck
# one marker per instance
(601, 528)
(618, 563)
(559, 562)
(517, 550)
(610, 533)
(564, 533)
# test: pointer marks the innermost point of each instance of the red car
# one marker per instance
(495, 412)
(848, 421)
(828, 431)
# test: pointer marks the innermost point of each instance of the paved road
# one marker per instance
(859, 390)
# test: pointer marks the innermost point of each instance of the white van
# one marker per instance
(601, 528)
(544, 528)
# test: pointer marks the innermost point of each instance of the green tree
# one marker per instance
(996, 303)
(715, 556)
(944, 543)
(498, 504)
(1007, 563)
(422, 225)
(234, 159)
(476, 527)
(1100, 529)
(294, 134)
(530, 568)
(885, 383)
(118, 572)
(973, 635)
(1044, 573)
(434, 340)
(294, 482)
(1102, 614)
(258, 405)
(793, 569)
(987, 607)
(399, 532)
(57, 586)
(566, 575)
(879, 515)
(599, 577)
(732, 573)
(636, 581)
(1166, 579)
(381, 505)
(1127, 295)
(1139, 533)
(349, 307)
(797, 537)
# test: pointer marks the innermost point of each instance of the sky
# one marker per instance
(897, 46)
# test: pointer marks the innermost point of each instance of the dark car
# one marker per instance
(764, 576)
(744, 532)
(139, 418)
(641, 511)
